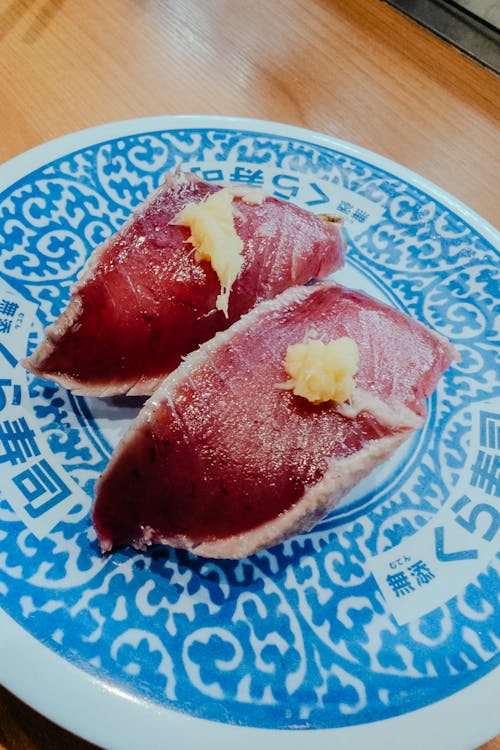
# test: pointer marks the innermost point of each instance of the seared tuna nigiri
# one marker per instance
(225, 460)
(145, 299)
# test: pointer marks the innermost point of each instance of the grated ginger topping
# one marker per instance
(322, 372)
(214, 238)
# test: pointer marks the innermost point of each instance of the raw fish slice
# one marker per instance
(223, 462)
(143, 301)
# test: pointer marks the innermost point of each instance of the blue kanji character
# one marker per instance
(489, 430)
(288, 184)
(213, 175)
(345, 207)
(485, 473)
(5, 325)
(7, 307)
(421, 572)
(254, 177)
(400, 583)
(18, 441)
(42, 487)
(359, 215)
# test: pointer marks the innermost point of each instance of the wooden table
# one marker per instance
(355, 69)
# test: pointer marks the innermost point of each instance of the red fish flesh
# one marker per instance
(223, 462)
(143, 301)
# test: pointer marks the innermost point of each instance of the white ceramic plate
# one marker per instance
(381, 626)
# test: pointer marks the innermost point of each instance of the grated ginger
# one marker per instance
(214, 238)
(322, 372)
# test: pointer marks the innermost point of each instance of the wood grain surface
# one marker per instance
(354, 69)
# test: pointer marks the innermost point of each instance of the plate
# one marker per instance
(381, 623)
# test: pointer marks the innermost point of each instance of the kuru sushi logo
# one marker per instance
(40, 491)
(430, 567)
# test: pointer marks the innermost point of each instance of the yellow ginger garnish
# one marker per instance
(215, 239)
(322, 372)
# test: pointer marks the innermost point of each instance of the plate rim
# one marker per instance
(78, 686)
(144, 721)
(57, 147)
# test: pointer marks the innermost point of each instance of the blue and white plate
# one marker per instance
(383, 623)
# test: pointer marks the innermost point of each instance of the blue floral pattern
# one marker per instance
(299, 635)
